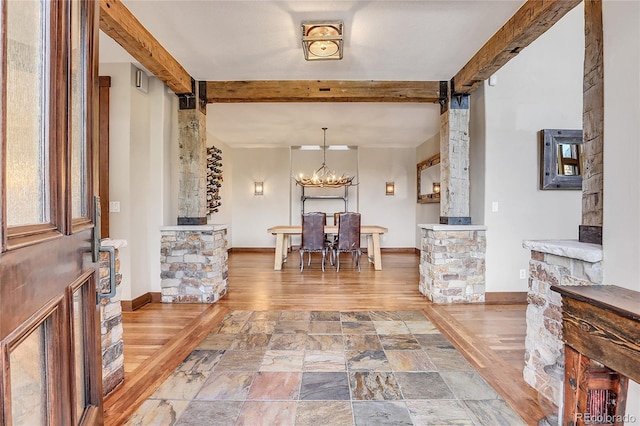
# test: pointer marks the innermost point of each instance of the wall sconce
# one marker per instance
(258, 188)
(390, 188)
(322, 40)
(436, 188)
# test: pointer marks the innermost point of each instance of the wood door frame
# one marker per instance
(103, 154)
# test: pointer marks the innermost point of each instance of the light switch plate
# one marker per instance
(114, 206)
(494, 206)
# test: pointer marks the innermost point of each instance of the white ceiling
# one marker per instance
(261, 40)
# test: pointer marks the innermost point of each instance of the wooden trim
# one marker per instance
(525, 26)
(124, 400)
(103, 153)
(251, 250)
(505, 297)
(322, 91)
(137, 303)
(124, 28)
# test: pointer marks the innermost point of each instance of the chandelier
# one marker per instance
(324, 177)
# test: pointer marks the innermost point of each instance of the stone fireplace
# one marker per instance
(560, 263)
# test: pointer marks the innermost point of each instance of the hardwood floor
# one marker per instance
(158, 336)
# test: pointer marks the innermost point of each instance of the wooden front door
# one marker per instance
(49, 335)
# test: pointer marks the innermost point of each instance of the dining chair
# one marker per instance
(313, 239)
(348, 238)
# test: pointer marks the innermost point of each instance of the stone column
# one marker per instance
(454, 159)
(192, 196)
(593, 124)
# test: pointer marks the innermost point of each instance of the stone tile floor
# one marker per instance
(325, 368)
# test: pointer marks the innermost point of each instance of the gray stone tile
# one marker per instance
(411, 315)
(391, 327)
(254, 413)
(265, 316)
(259, 326)
(399, 342)
(240, 361)
(429, 341)
(427, 385)
(410, 360)
(362, 342)
(288, 342)
(321, 386)
(226, 385)
(291, 327)
(325, 327)
(494, 412)
(354, 316)
(325, 316)
(447, 358)
(295, 316)
(468, 385)
(367, 386)
(247, 342)
(380, 413)
(220, 413)
(325, 342)
(200, 361)
(384, 316)
(157, 412)
(180, 385)
(361, 327)
(438, 412)
(367, 361)
(319, 413)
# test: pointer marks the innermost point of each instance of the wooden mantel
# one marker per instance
(601, 326)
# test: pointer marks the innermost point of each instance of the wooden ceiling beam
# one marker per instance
(526, 25)
(121, 25)
(322, 91)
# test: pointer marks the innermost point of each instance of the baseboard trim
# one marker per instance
(505, 297)
(251, 250)
(140, 301)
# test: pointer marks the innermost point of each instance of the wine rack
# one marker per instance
(214, 179)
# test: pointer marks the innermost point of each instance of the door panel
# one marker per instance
(49, 333)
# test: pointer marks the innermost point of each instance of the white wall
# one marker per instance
(397, 212)
(621, 227)
(540, 88)
(429, 212)
(140, 139)
(253, 214)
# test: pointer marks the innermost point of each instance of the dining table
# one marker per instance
(283, 234)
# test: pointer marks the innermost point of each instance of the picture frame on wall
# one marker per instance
(561, 159)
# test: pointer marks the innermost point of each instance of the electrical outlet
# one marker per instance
(523, 274)
(494, 206)
(114, 206)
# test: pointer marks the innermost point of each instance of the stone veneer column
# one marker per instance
(194, 263)
(192, 191)
(592, 123)
(557, 262)
(454, 161)
(111, 321)
(452, 263)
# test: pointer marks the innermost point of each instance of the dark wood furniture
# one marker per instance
(601, 331)
(313, 237)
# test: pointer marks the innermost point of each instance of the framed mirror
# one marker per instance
(561, 159)
(428, 180)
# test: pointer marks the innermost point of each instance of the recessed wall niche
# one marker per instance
(214, 179)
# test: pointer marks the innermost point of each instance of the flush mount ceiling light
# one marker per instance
(322, 40)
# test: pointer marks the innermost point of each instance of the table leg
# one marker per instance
(280, 247)
(377, 257)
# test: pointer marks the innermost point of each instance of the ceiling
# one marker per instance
(235, 40)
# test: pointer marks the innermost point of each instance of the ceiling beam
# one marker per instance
(122, 26)
(322, 91)
(527, 24)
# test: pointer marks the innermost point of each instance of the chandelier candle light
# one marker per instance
(324, 177)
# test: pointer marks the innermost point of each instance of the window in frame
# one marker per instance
(78, 111)
(27, 161)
